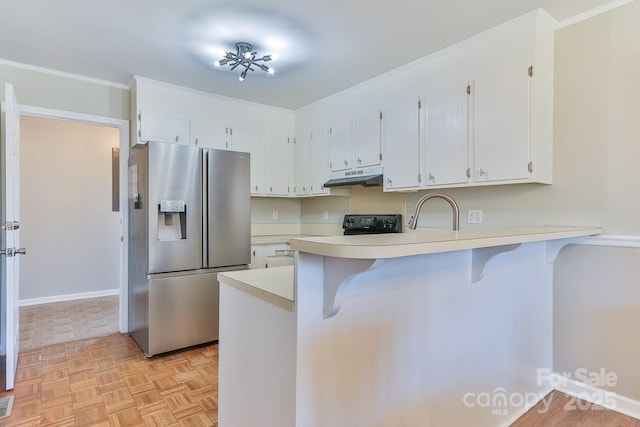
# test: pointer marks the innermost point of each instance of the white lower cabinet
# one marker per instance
(258, 256)
(271, 255)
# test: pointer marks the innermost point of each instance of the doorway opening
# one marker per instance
(73, 281)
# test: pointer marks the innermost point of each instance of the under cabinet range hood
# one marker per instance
(365, 176)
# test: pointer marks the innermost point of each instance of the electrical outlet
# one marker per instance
(275, 214)
(325, 215)
(474, 216)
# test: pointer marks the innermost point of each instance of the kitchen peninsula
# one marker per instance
(431, 328)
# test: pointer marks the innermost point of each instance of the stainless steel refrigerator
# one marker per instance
(189, 218)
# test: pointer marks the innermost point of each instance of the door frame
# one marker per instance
(123, 128)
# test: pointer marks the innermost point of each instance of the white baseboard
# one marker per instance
(69, 297)
(604, 398)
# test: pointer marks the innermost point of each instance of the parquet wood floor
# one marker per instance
(562, 410)
(108, 381)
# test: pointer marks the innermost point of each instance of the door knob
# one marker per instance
(10, 252)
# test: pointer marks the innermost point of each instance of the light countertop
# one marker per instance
(374, 246)
(276, 238)
(274, 285)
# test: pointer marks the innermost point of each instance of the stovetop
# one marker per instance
(372, 223)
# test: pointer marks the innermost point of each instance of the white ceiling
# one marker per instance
(324, 46)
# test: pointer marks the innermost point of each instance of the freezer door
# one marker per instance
(174, 207)
(183, 311)
(229, 208)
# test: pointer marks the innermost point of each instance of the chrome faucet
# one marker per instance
(413, 222)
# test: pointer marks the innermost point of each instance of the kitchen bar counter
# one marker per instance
(427, 328)
(380, 246)
(274, 285)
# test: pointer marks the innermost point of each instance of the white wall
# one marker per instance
(70, 232)
(60, 91)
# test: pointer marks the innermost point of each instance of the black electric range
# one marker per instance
(372, 224)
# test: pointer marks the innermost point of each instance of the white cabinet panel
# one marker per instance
(318, 162)
(401, 145)
(340, 143)
(501, 124)
(163, 128)
(302, 152)
(210, 134)
(258, 256)
(366, 137)
(251, 140)
(277, 163)
(446, 127)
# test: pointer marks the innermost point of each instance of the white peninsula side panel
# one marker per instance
(256, 375)
(414, 342)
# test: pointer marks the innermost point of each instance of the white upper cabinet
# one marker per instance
(252, 140)
(367, 138)
(161, 127)
(401, 145)
(501, 125)
(302, 152)
(318, 162)
(169, 113)
(446, 135)
(210, 134)
(340, 144)
(277, 163)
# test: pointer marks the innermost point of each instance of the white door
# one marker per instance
(10, 232)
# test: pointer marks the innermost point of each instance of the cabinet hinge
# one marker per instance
(330, 131)
(530, 71)
(311, 136)
(139, 116)
(419, 177)
(468, 173)
(419, 104)
(380, 114)
(530, 167)
(380, 156)
(294, 140)
(468, 89)
(330, 165)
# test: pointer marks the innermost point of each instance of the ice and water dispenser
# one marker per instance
(172, 220)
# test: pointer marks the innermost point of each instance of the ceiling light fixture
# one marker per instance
(244, 57)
